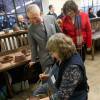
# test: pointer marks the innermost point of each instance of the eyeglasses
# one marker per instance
(69, 11)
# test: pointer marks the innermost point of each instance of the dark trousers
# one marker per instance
(2, 80)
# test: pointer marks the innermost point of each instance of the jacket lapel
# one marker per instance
(47, 28)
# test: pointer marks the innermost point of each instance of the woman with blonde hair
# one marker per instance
(71, 83)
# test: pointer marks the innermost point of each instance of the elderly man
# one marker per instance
(21, 25)
(40, 29)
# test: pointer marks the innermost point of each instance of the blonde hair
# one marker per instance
(33, 9)
(61, 44)
(20, 17)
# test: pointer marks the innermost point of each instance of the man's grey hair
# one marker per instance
(61, 44)
(70, 5)
(20, 17)
(32, 9)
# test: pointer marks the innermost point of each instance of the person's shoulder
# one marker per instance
(83, 14)
(15, 24)
(48, 13)
(65, 19)
(98, 11)
(49, 17)
(15, 27)
(30, 27)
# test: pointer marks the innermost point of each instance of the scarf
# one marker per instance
(79, 37)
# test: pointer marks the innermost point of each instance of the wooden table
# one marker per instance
(12, 64)
(4, 67)
(12, 32)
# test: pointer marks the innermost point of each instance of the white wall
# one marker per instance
(58, 4)
(45, 4)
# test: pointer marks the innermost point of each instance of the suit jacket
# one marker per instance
(38, 41)
(54, 14)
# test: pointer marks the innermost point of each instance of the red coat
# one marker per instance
(69, 28)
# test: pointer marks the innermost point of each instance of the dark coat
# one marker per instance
(72, 80)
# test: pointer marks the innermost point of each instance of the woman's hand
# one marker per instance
(31, 64)
(44, 76)
(33, 98)
(47, 98)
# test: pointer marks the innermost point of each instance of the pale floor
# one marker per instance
(93, 73)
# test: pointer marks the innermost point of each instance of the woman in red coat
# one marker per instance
(77, 25)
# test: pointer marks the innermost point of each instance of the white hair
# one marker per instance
(20, 16)
(32, 9)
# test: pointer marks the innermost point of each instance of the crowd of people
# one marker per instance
(61, 50)
(60, 43)
(10, 21)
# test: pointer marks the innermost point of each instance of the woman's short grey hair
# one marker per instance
(70, 5)
(61, 44)
(32, 9)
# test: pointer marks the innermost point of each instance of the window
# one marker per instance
(85, 4)
(9, 9)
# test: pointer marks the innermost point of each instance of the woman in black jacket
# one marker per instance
(72, 81)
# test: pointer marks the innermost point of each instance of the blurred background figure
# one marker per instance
(90, 13)
(6, 21)
(12, 21)
(60, 17)
(3, 21)
(52, 11)
(76, 24)
(21, 25)
(61, 14)
(98, 13)
(80, 9)
(59, 22)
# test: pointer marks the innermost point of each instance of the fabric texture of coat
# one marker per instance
(38, 39)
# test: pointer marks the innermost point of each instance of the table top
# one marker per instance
(12, 64)
(12, 32)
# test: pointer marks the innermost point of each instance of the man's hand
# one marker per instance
(31, 64)
(44, 76)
